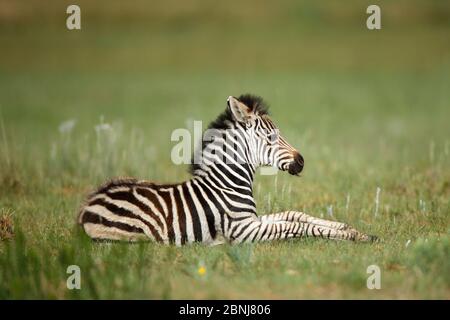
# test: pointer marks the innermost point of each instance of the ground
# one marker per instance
(368, 110)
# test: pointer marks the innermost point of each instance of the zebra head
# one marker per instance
(267, 146)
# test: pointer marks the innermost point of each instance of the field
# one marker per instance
(368, 110)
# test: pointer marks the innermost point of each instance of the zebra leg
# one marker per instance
(258, 230)
(295, 216)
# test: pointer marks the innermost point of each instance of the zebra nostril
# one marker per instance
(296, 166)
(299, 159)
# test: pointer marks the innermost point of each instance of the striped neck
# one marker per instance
(226, 160)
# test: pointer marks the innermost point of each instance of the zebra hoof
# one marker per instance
(373, 238)
(367, 238)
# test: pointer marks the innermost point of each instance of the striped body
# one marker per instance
(184, 213)
(217, 204)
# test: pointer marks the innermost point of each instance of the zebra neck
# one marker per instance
(223, 175)
(237, 178)
(226, 161)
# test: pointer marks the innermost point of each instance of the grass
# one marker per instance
(366, 110)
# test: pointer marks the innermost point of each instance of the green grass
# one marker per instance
(367, 110)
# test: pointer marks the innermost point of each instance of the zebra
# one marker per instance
(216, 205)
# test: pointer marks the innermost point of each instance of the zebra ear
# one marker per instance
(240, 111)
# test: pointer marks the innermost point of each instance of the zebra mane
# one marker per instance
(225, 119)
(255, 103)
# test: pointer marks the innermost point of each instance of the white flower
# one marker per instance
(330, 210)
(103, 127)
(67, 126)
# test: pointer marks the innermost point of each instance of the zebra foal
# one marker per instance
(217, 204)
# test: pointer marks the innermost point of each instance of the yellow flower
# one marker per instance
(201, 271)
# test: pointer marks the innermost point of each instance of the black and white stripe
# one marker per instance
(217, 204)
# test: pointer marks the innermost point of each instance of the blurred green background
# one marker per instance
(154, 65)
(366, 109)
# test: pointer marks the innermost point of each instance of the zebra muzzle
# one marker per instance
(296, 166)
